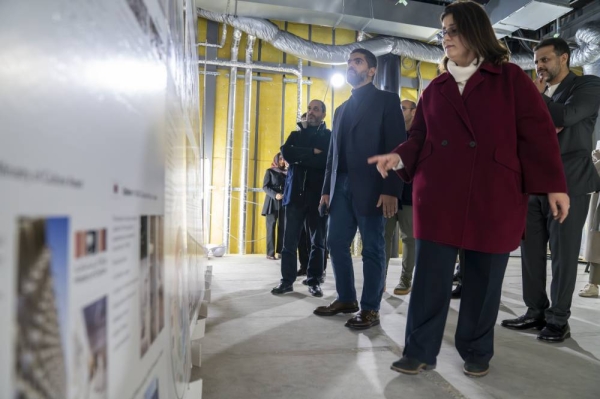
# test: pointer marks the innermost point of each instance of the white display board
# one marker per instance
(100, 184)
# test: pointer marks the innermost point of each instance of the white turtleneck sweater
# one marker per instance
(462, 74)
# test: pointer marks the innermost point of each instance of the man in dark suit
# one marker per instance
(357, 196)
(306, 152)
(573, 102)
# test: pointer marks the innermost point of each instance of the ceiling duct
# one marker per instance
(587, 37)
(510, 16)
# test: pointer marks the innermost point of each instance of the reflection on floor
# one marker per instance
(261, 346)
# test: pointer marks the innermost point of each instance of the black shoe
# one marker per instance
(336, 307)
(456, 292)
(321, 280)
(523, 323)
(476, 369)
(282, 289)
(554, 334)
(410, 366)
(363, 320)
(315, 290)
(301, 271)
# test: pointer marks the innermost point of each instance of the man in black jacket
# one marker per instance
(369, 123)
(306, 152)
(573, 102)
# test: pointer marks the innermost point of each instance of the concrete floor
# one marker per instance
(262, 346)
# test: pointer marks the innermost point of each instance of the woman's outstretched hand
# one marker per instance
(385, 162)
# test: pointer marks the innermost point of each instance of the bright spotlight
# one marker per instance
(337, 80)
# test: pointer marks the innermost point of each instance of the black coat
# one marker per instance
(574, 107)
(376, 128)
(307, 169)
(273, 184)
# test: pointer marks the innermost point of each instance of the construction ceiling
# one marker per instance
(418, 19)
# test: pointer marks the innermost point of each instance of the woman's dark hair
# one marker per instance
(476, 32)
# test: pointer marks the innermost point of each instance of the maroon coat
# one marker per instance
(474, 157)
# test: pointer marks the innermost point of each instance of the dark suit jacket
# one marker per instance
(377, 128)
(273, 184)
(574, 107)
(305, 174)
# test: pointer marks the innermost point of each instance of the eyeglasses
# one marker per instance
(452, 32)
(405, 108)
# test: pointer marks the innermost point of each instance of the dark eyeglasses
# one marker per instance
(452, 32)
(405, 108)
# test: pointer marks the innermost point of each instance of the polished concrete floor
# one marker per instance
(262, 346)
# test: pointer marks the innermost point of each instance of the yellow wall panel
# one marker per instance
(408, 94)
(321, 34)
(271, 109)
(428, 70)
(344, 36)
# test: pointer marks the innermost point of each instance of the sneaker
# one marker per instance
(403, 288)
(589, 291)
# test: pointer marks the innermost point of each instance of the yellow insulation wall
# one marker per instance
(274, 97)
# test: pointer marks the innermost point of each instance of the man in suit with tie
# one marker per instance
(355, 193)
(573, 102)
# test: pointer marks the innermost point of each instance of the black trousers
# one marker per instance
(274, 228)
(304, 249)
(295, 217)
(565, 242)
(430, 299)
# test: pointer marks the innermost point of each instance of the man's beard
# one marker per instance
(355, 78)
(550, 75)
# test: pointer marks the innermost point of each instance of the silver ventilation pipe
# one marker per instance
(245, 148)
(299, 91)
(221, 44)
(588, 38)
(237, 34)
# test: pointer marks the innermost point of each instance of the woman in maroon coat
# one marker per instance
(481, 140)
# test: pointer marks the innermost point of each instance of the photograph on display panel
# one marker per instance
(145, 339)
(42, 281)
(97, 362)
(151, 280)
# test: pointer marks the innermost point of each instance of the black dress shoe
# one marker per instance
(336, 307)
(523, 323)
(282, 289)
(456, 292)
(554, 334)
(363, 320)
(315, 290)
(476, 369)
(410, 366)
(301, 271)
(321, 280)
